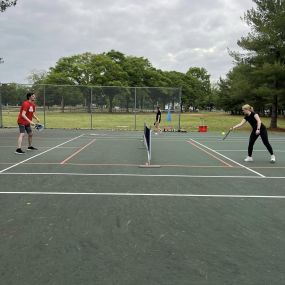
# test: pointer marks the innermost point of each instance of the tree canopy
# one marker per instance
(4, 4)
(258, 77)
(113, 68)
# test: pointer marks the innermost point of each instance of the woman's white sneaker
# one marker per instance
(272, 159)
(248, 158)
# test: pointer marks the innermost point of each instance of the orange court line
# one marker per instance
(222, 161)
(164, 165)
(128, 164)
(71, 156)
(104, 164)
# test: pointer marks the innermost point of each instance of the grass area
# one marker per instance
(216, 121)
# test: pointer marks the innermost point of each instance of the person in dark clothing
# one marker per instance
(258, 129)
(157, 119)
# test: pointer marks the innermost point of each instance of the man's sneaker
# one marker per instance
(19, 151)
(32, 148)
(272, 159)
(248, 158)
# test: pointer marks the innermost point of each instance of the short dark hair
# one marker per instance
(29, 95)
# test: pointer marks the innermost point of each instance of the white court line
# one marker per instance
(249, 169)
(141, 175)
(23, 161)
(145, 194)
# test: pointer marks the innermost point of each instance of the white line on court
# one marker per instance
(141, 175)
(144, 194)
(249, 169)
(23, 161)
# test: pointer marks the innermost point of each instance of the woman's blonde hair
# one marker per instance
(247, 107)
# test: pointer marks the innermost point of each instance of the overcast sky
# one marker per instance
(172, 34)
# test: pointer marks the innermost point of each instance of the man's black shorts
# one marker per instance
(24, 128)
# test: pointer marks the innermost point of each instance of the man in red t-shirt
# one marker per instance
(25, 117)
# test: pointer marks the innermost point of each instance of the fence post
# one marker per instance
(135, 108)
(44, 106)
(91, 104)
(179, 117)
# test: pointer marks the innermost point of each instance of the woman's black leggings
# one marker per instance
(264, 136)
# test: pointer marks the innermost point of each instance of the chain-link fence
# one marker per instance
(1, 115)
(93, 107)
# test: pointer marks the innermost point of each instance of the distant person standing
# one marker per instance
(258, 129)
(25, 120)
(158, 119)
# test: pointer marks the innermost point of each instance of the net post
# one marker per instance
(147, 143)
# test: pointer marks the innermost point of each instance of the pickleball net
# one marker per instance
(147, 133)
(147, 141)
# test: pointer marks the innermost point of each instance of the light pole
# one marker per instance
(274, 109)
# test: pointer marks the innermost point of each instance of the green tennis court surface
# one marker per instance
(81, 210)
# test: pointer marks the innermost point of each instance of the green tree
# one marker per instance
(266, 51)
(214, 95)
(13, 94)
(88, 70)
(4, 4)
(236, 89)
(179, 80)
(139, 71)
(37, 77)
(200, 87)
(114, 69)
